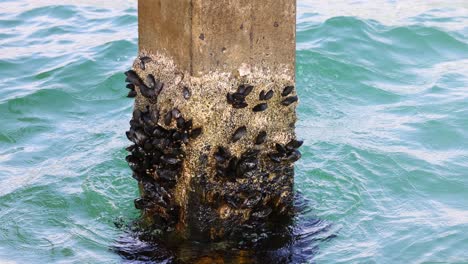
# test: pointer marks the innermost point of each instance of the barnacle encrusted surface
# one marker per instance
(213, 195)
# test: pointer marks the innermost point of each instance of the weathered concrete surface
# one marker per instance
(166, 27)
(220, 35)
(211, 49)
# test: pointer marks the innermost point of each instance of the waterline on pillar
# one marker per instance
(296, 242)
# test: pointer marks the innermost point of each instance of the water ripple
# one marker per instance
(383, 115)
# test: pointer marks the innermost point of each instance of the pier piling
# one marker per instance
(213, 141)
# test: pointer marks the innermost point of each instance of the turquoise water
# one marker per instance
(383, 112)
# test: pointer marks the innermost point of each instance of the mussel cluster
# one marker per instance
(249, 182)
(252, 185)
(247, 191)
(286, 153)
(231, 167)
(156, 160)
(237, 99)
(157, 152)
(257, 184)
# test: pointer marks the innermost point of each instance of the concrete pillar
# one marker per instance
(213, 125)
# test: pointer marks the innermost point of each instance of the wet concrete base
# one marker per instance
(213, 155)
(295, 241)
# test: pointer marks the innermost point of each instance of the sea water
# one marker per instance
(383, 111)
